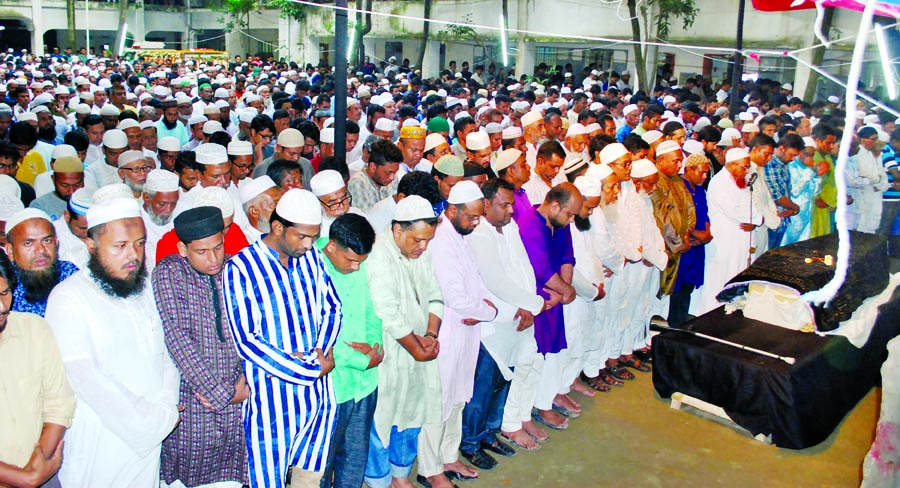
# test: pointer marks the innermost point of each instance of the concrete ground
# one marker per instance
(631, 438)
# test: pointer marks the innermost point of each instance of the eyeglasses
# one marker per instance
(346, 199)
(8, 166)
(243, 166)
(140, 169)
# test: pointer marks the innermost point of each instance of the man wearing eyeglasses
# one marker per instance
(133, 170)
(328, 186)
(240, 153)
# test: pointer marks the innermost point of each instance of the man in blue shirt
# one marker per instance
(33, 248)
(891, 202)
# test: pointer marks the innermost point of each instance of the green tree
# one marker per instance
(70, 24)
(657, 15)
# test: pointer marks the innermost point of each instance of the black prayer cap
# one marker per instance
(198, 223)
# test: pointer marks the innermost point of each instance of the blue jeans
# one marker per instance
(483, 414)
(776, 236)
(394, 461)
(349, 452)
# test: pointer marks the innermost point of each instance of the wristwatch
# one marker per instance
(431, 334)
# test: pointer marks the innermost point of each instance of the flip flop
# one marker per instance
(565, 412)
(520, 446)
(536, 416)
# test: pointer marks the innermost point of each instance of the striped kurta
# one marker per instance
(273, 312)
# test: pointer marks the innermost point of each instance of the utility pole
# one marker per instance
(340, 78)
(738, 66)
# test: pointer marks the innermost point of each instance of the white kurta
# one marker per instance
(123, 378)
(71, 248)
(100, 174)
(154, 234)
(726, 254)
(867, 181)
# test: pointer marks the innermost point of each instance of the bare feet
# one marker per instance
(521, 439)
(583, 389)
(440, 481)
(535, 431)
(567, 403)
(458, 467)
(402, 483)
(554, 419)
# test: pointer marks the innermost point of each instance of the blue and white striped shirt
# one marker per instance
(273, 312)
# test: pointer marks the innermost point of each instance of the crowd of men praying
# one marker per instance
(198, 289)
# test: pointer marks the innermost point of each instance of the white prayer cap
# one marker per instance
(745, 116)
(596, 107)
(252, 98)
(9, 186)
(220, 104)
(651, 136)
(576, 130)
(669, 99)
(573, 163)
(413, 208)
(180, 97)
(300, 207)
(753, 110)
(328, 122)
(169, 143)
(129, 157)
(598, 172)
(512, 132)
(291, 138)
(210, 109)
(736, 154)
(63, 150)
(325, 182)
(39, 109)
(111, 192)
(629, 109)
(612, 152)
(408, 123)
(480, 102)
(61, 90)
(642, 168)
(9, 206)
(565, 90)
(211, 154)
(197, 119)
(240, 148)
(692, 146)
(147, 124)
(595, 72)
(248, 115)
(214, 196)
(221, 93)
(115, 139)
(725, 124)
(493, 127)
(384, 124)
(464, 192)
(787, 86)
(701, 123)
(589, 187)
(507, 158)
(860, 114)
(327, 135)
(23, 215)
(128, 124)
(751, 127)
(254, 187)
(462, 115)
(160, 180)
(434, 140)
(591, 128)
(82, 109)
(363, 91)
(111, 210)
(531, 118)
(809, 141)
(109, 110)
(666, 147)
(728, 135)
(212, 126)
(834, 99)
(476, 141)
(27, 117)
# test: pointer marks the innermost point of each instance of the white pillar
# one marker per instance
(37, 33)
(138, 29)
(431, 61)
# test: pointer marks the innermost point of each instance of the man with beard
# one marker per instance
(466, 306)
(35, 413)
(377, 182)
(284, 332)
(47, 126)
(160, 198)
(169, 125)
(259, 198)
(32, 246)
(111, 339)
(673, 209)
(208, 445)
(533, 127)
(105, 172)
(133, 171)
(577, 140)
(68, 177)
(328, 186)
(730, 212)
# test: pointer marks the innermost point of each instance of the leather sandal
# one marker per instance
(609, 379)
(596, 383)
(620, 373)
(636, 363)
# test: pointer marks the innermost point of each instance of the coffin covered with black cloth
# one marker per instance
(867, 274)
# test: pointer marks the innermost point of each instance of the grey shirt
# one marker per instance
(51, 204)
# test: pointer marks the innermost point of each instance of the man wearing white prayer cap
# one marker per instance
(240, 154)
(466, 304)
(402, 281)
(195, 129)
(533, 129)
(549, 160)
(158, 208)
(384, 128)
(10, 204)
(577, 140)
(328, 186)
(167, 150)
(133, 170)
(296, 404)
(71, 230)
(259, 197)
(632, 117)
(733, 216)
(673, 208)
(109, 333)
(436, 147)
(478, 148)
(105, 171)
(289, 146)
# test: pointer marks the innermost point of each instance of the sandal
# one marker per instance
(636, 363)
(620, 373)
(610, 379)
(520, 446)
(645, 355)
(536, 416)
(565, 412)
(596, 383)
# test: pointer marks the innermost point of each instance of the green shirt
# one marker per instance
(360, 323)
